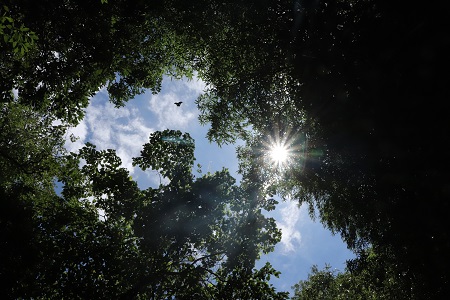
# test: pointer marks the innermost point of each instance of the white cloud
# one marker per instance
(290, 215)
(168, 114)
(196, 85)
(80, 132)
(110, 128)
(15, 93)
(126, 129)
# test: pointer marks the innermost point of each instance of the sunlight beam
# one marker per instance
(279, 154)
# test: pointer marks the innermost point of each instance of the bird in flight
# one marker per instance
(178, 103)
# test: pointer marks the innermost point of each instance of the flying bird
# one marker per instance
(178, 103)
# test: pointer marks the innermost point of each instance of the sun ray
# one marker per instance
(279, 153)
(284, 150)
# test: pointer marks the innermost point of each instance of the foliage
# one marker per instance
(319, 285)
(360, 80)
(20, 38)
(169, 152)
(364, 278)
(29, 142)
(130, 50)
(30, 149)
(102, 237)
(356, 83)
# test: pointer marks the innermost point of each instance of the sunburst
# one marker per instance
(279, 153)
(283, 149)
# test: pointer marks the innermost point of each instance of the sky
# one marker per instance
(304, 242)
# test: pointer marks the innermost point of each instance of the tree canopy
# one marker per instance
(102, 237)
(354, 89)
(361, 81)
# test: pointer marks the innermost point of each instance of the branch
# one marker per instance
(207, 256)
(142, 284)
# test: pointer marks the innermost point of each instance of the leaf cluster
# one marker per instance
(83, 228)
(129, 51)
(19, 38)
(354, 78)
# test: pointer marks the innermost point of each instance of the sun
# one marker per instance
(283, 150)
(279, 154)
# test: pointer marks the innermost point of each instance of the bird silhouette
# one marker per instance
(178, 103)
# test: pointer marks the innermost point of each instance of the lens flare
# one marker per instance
(279, 153)
(284, 150)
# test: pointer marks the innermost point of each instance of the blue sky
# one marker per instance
(304, 242)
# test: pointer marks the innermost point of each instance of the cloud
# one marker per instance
(169, 115)
(15, 94)
(107, 127)
(290, 215)
(126, 129)
(196, 85)
(79, 132)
